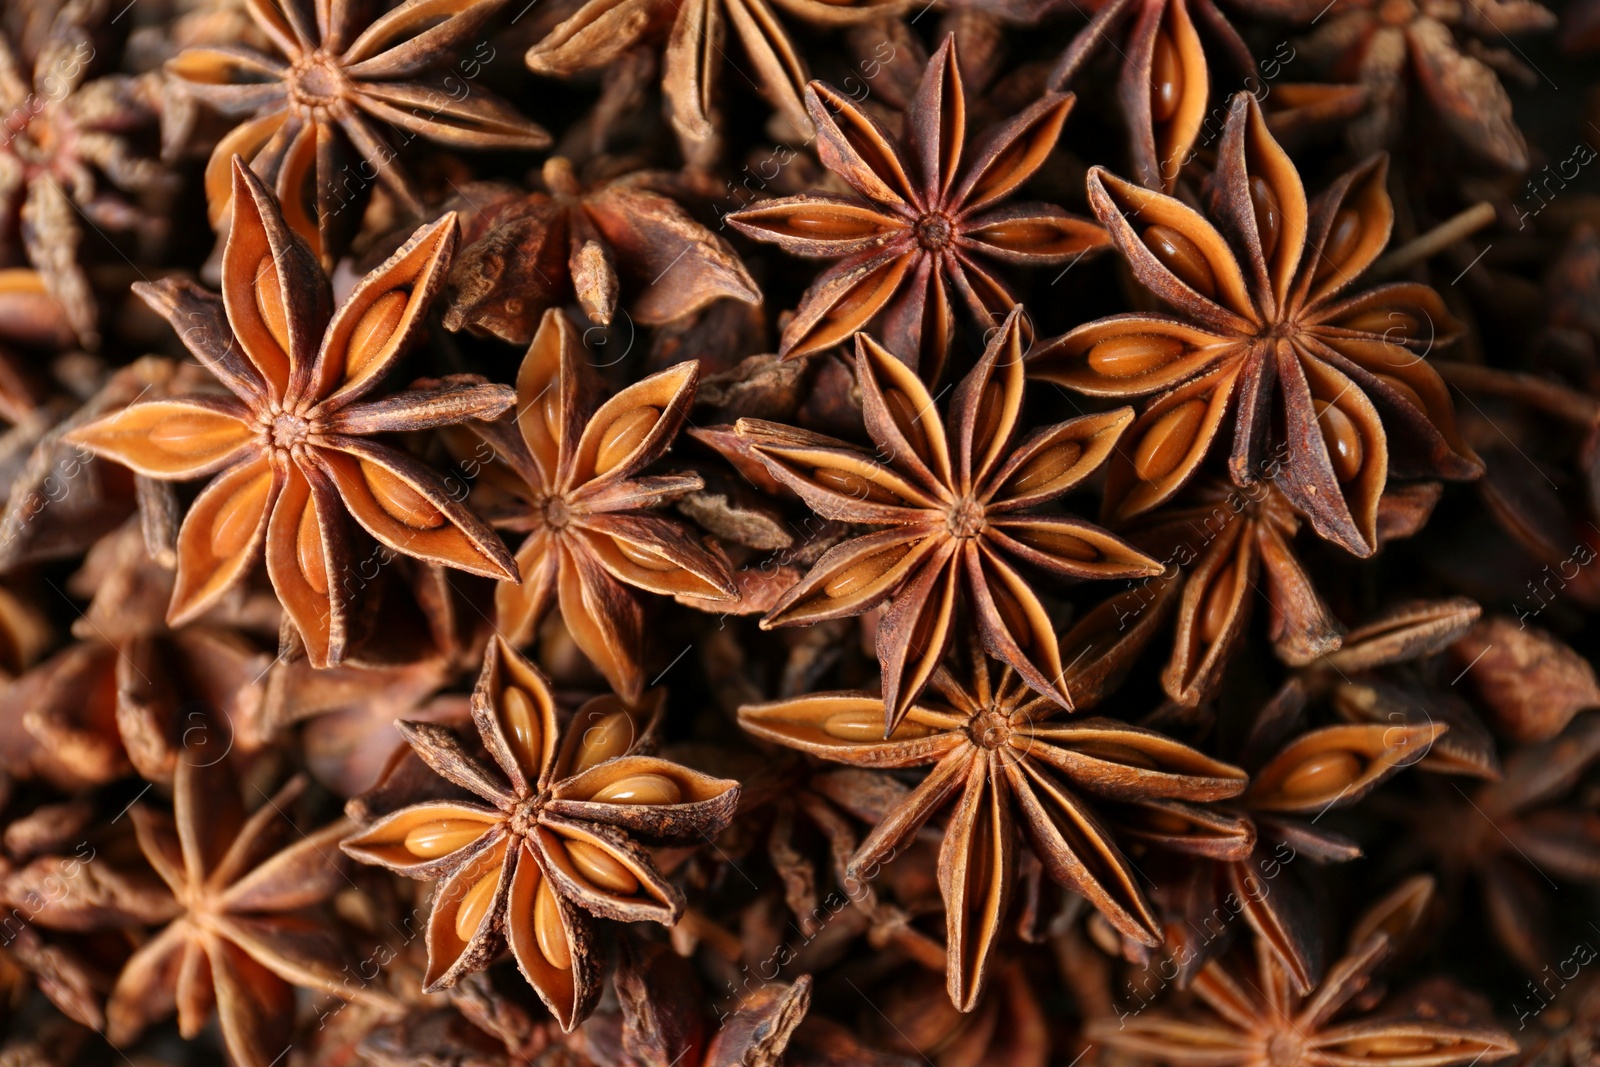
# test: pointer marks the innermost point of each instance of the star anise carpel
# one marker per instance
(245, 938)
(928, 218)
(320, 108)
(556, 839)
(570, 475)
(1011, 771)
(1250, 1015)
(1328, 395)
(958, 501)
(293, 442)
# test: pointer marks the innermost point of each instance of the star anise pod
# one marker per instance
(64, 141)
(958, 496)
(558, 840)
(528, 252)
(1006, 766)
(568, 474)
(601, 32)
(312, 129)
(1328, 397)
(243, 941)
(292, 442)
(928, 216)
(1403, 49)
(1251, 1015)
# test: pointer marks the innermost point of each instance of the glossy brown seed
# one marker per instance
(547, 929)
(1130, 355)
(237, 520)
(1269, 216)
(864, 573)
(308, 548)
(1219, 603)
(434, 839)
(269, 301)
(606, 739)
(1412, 397)
(1324, 773)
(1046, 467)
(1166, 443)
(1393, 325)
(907, 418)
(193, 435)
(866, 725)
(852, 484)
(521, 722)
(1390, 1046)
(1012, 616)
(625, 434)
(640, 789)
(374, 329)
(1166, 78)
(1064, 545)
(1343, 238)
(643, 558)
(1343, 439)
(400, 500)
(475, 905)
(551, 406)
(601, 869)
(827, 225)
(990, 411)
(1182, 257)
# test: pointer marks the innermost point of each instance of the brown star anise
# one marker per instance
(1253, 1016)
(601, 32)
(568, 475)
(928, 221)
(1397, 47)
(63, 140)
(1328, 391)
(313, 111)
(959, 513)
(292, 442)
(243, 940)
(528, 252)
(559, 839)
(997, 756)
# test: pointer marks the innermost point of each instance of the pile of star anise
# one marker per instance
(696, 533)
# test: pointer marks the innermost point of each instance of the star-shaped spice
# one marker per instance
(558, 840)
(959, 513)
(568, 475)
(315, 117)
(1254, 1017)
(1004, 766)
(292, 441)
(528, 252)
(929, 219)
(1327, 396)
(243, 941)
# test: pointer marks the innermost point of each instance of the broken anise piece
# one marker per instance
(1007, 767)
(292, 442)
(559, 838)
(928, 216)
(568, 475)
(959, 514)
(1329, 397)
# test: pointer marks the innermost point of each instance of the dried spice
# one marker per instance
(290, 442)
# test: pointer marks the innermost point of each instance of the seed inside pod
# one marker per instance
(1324, 773)
(866, 725)
(851, 484)
(638, 556)
(1343, 439)
(640, 789)
(1183, 258)
(1343, 238)
(193, 434)
(907, 418)
(521, 720)
(400, 500)
(237, 519)
(1133, 354)
(605, 738)
(373, 330)
(547, 928)
(626, 433)
(1166, 77)
(1269, 216)
(269, 301)
(1115, 752)
(431, 840)
(308, 548)
(864, 572)
(1219, 603)
(1048, 466)
(1165, 444)
(600, 868)
(475, 905)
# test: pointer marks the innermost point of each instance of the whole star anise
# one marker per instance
(1333, 392)
(558, 840)
(243, 940)
(1006, 767)
(960, 514)
(1253, 1016)
(315, 112)
(568, 475)
(528, 252)
(292, 442)
(927, 219)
